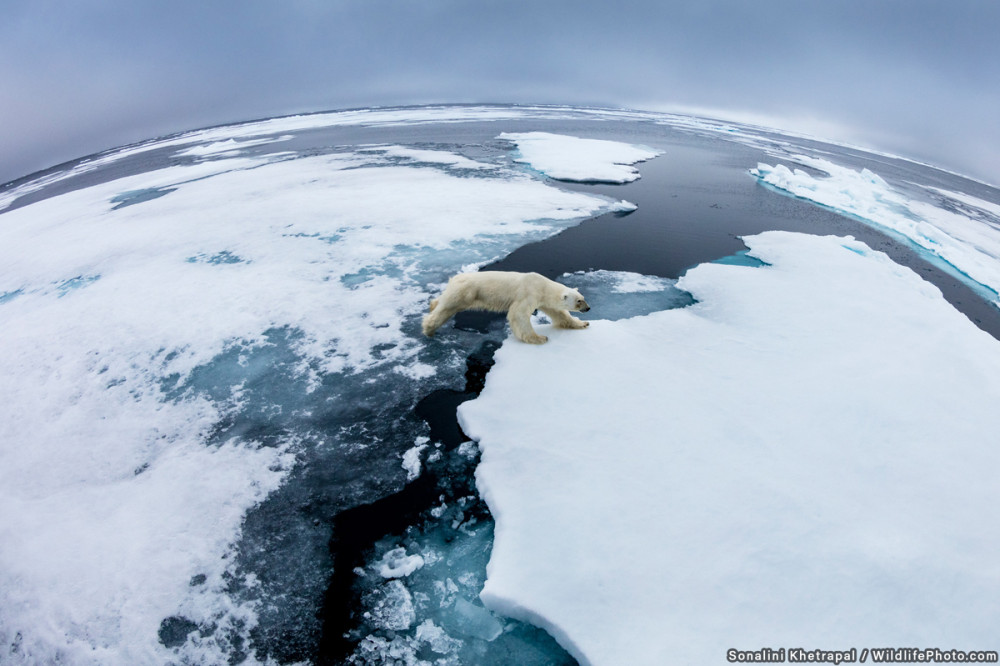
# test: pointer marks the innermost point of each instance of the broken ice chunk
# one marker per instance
(394, 609)
(397, 564)
(469, 619)
(436, 638)
(411, 459)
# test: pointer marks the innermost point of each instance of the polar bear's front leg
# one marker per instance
(519, 317)
(563, 319)
(440, 313)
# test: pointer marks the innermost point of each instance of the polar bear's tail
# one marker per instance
(434, 304)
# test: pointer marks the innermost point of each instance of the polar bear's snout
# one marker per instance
(585, 307)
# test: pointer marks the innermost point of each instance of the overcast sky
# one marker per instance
(920, 78)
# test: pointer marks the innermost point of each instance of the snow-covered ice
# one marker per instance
(803, 457)
(112, 496)
(411, 458)
(396, 563)
(959, 240)
(583, 160)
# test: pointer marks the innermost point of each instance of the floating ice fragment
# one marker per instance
(397, 564)
(411, 461)
(469, 619)
(582, 160)
(436, 638)
(400, 650)
(394, 608)
(624, 206)
(446, 591)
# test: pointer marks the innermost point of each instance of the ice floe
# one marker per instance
(803, 457)
(966, 244)
(583, 160)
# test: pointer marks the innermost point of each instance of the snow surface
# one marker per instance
(116, 511)
(583, 160)
(805, 457)
(961, 241)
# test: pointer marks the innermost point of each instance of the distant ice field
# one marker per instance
(223, 438)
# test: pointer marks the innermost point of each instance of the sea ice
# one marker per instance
(411, 458)
(393, 608)
(472, 620)
(968, 245)
(397, 564)
(436, 638)
(115, 491)
(584, 160)
(805, 456)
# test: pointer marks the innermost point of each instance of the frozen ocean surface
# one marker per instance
(223, 438)
(959, 231)
(781, 463)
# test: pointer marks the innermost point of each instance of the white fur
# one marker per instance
(517, 294)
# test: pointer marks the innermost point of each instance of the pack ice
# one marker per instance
(120, 508)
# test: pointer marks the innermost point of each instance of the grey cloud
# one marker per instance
(914, 77)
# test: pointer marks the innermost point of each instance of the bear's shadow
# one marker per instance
(479, 322)
(476, 321)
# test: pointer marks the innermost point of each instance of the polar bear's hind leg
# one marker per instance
(442, 310)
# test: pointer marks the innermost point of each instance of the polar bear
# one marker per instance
(517, 294)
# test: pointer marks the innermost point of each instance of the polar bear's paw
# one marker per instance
(533, 339)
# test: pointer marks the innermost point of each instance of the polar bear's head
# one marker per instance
(573, 300)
